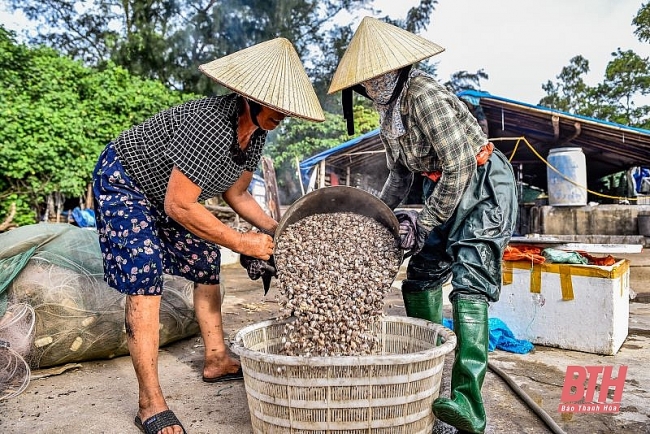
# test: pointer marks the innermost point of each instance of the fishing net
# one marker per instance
(79, 317)
(56, 270)
(16, 334)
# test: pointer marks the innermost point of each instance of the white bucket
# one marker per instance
(569, 188)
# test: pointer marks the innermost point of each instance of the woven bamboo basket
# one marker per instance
(387, 393)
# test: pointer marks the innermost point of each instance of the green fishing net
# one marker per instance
(57, 270)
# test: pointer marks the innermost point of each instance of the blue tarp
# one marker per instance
(501, 337)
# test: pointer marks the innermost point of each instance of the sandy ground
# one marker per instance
(101, 396)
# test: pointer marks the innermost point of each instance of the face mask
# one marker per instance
(380, 89)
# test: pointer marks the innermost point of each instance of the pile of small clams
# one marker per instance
(334, 270)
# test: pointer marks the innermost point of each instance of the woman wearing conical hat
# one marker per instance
(149, 184)
(469, 189)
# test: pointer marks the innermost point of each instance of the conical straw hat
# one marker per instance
(377, 48)
(270, 73)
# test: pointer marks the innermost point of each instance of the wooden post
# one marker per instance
(272, 196)
(321, 173)
(58, 203)
(302, 187)
(89, 197)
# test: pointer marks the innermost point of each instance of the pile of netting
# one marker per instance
(55, 307)
(16, 335)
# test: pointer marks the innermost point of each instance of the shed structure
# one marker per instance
(524, 132)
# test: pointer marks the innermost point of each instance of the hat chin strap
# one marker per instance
(401, 80)
(254, 109)
(348, 115)
(346, 96)
(346, 101)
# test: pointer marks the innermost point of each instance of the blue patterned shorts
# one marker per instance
(139, 242)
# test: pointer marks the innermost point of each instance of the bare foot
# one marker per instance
(218, 364)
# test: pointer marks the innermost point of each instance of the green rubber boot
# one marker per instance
(422, 300)
(465, 409)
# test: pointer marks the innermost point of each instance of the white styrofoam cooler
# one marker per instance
(576, 307)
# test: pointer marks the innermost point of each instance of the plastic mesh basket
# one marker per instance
(388, 393)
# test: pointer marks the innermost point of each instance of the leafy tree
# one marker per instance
(463, 80)
(571, 90)
(627, 77)
(642, 23)
(296, 140)
(419, 17)
(167, 39)
(56, 116)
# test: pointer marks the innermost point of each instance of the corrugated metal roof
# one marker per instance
(608, 147)
(353, 152)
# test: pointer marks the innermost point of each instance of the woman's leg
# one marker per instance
(484, 221)
(129, 243)
(142, 319)
(218, 360)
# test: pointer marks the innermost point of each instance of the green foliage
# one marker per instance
(627, 77)
(418, 17)
(297, 139)
(167, 39)
(56, 116)
(570, 91)
(641, 23)
(25, 215)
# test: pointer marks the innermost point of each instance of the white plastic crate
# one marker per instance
(576, 307)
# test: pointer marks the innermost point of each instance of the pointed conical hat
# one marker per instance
(377, 48)
(271, 74)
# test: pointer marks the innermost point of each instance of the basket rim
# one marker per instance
(446, 347)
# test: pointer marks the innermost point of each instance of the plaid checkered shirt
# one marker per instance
(198, 137)
(441, 135)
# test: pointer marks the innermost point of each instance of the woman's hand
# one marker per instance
(256, 244)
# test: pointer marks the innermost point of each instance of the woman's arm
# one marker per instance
(246, 206)
(181, 204)
(397, 185)
(435, 114)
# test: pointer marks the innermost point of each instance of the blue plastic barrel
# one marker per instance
(569, 187)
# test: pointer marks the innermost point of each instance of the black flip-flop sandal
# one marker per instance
(157, 422)
(239, 375)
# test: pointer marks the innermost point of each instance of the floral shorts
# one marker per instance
(139, 242)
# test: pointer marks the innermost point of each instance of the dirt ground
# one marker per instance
(101, 396)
